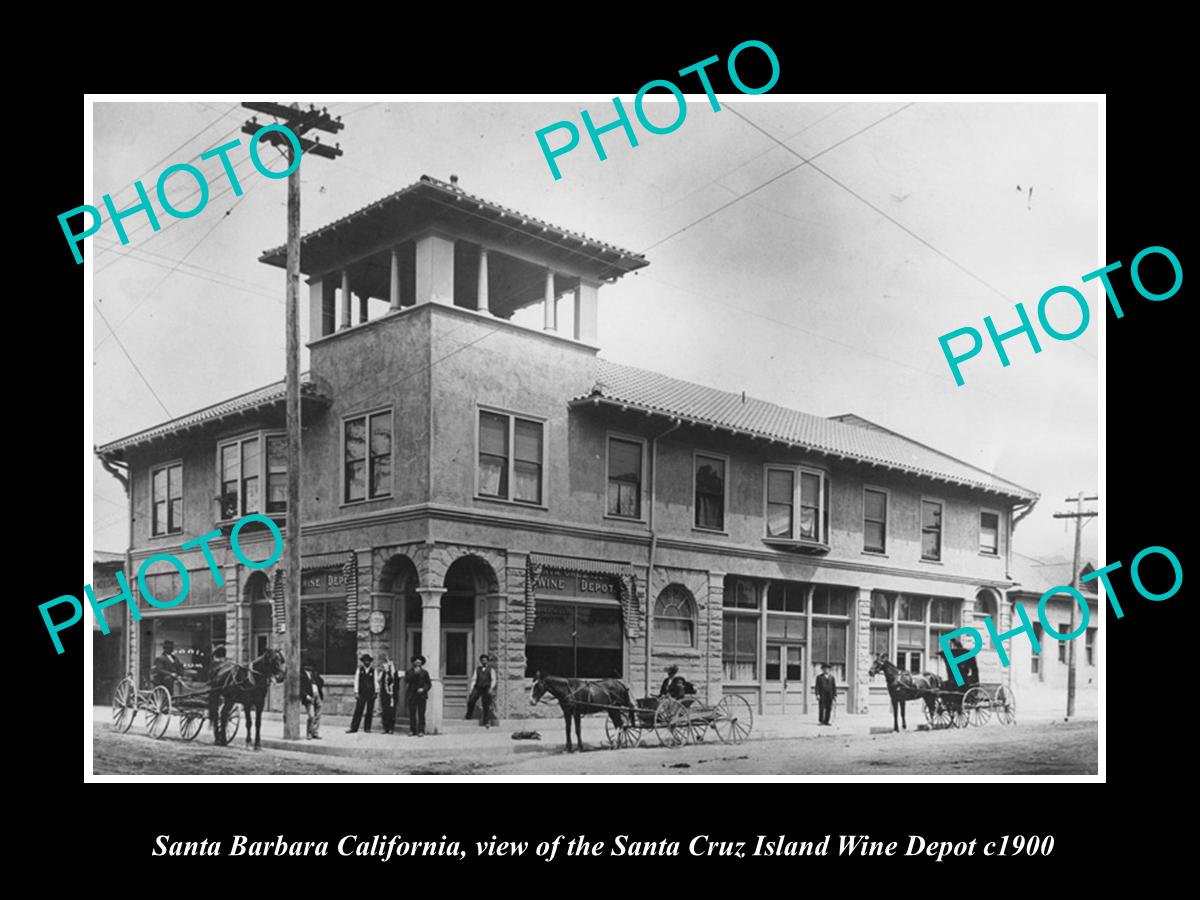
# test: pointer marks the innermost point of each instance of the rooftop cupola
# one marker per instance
(432, 242)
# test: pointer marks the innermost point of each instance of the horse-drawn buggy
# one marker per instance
(217, 700)
(158, 705)
(946, 704)
(675, 721)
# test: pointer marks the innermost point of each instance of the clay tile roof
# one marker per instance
(257, 399)
(851, 438)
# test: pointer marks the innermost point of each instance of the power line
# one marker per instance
(804, 162)
(250, 288)
(885, 215)
(141, 375)
(161, 281)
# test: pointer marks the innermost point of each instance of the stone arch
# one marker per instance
(676, 617)
(471, 572)
(397, 575)
(987, 602)
(441, 557)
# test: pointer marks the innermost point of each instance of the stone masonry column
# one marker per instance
(512, 703)
(713, 610)
(859, 699)
(431, 646)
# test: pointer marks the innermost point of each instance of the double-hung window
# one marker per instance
(249, 466)
(512, 453)
(166, 488)
(931, 530)
(624, 478)
(367, 456)
(796, 504)
(874, 520)
(709, 503)
(989, 533)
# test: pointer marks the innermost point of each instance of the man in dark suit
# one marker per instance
(167, 667)
(826, 695)
(416, 693)
(364, 695)
(968, 668)
(312, 695)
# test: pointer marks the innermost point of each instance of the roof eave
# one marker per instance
(594, 399)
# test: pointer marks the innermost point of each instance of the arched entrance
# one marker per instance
(987, 604)
(402, 607)
(468, 583)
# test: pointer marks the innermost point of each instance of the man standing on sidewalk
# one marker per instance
(312, 695)
(364, 695)
(483, 688)
(416, 692)
(826, 695)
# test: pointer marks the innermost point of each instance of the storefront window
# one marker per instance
(739, 648)
(197, 640)
(829, 646)
(325, 640)
(575, 640)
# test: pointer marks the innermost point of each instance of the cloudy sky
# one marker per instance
(823, 288)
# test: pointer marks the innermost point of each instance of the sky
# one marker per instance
(823, 288)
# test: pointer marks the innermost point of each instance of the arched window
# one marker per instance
(985, 605)
(675, 617)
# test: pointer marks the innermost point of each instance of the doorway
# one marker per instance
(785, 678)
(457, 653)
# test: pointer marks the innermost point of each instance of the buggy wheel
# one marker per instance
(124, 705)
(958, 715)
(667, 722)
(623, 737)
(158, 712)
(733, 719)
(234, 723)
(941, 716)
(190, 725)
(1005, 702)
(977, 704)
(700, 719)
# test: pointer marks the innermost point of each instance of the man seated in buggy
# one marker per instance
(167, 669)
(967, 668)
(676, 686)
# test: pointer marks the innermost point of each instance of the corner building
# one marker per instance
(471, 484)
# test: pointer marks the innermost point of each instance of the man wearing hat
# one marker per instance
(483, 688)
(968, 668)
(167, 667)
(364, 695)
(826, 695)
(675, 685)
(312, 695)
(416, 692)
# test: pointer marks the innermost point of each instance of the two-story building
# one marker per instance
(471, 484)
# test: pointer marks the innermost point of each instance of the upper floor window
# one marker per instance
(710, 492)
(874, 520)
(675, 617)
(624, 478)
(511, 457)
(796, 504)
(166, 498)
(244, 470)
(367, 457)
(931, 530)
(989, 533)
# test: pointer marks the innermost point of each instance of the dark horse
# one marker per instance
(246, 685)
(904, 686)
(579, 697)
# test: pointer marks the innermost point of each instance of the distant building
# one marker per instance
(1040, 679)
(108, 650)
(471, 484)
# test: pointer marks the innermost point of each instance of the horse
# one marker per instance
(579, 698)
(247, 685)
(904, 686)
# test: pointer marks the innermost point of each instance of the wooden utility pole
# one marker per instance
(1079, 516)
(298, 122)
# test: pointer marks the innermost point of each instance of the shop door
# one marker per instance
(785, 678)
(457, 653)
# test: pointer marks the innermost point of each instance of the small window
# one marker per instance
(248, 466)
(675, 618)
(367, 457)
(874, 521)
(786, 596)
(710, 492)
(276, 474)
(812, 503)
(1035, 656)
(166, 488)
(831, 601)
(931, 530)
(943, 611)
(989, 533)
(624, 478)
(1063, 628)
(1090, 646)
(515, 475)
(911, 608)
